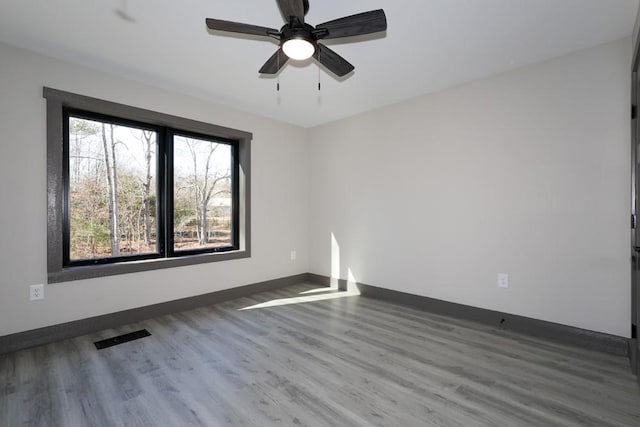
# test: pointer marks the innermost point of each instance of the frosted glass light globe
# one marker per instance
(298, 49)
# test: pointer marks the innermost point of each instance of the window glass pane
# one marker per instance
(202, 217)
(112, 190)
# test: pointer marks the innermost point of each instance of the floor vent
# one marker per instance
(109, 342)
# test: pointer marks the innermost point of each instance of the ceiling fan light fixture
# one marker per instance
(298, 49)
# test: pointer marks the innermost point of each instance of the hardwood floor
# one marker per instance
(336, 360)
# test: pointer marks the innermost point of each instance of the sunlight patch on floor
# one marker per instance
(322, 290)
(304, 299)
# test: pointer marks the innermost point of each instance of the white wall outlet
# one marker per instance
(503, 280)
(294, 255)
(36, 292)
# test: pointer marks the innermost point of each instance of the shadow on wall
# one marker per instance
(322, 293)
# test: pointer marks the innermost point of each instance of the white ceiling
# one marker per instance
(429, 45)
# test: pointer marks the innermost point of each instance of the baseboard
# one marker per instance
(552, 331)
(633, 357)
(326, 281)
(556, 332)
(49, 334)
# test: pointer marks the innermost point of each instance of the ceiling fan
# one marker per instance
(299, 40)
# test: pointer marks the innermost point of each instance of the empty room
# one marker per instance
(319, 213)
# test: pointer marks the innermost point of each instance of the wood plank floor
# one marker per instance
(318, 359)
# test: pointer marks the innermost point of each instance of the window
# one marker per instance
(133, 190)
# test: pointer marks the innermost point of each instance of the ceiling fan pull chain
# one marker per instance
(278, 76)
(318, 71)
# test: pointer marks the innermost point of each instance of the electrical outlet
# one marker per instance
(503, 280)
(36, 292)
(294, 255)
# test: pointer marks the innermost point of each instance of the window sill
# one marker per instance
(93, 271)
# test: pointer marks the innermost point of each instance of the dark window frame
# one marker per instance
(59, 104)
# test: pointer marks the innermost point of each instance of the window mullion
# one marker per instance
(168, 191)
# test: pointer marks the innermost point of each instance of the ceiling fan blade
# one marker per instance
(334, 62)
(273, 64)
(355, 25)
(238, 27)
(291, 8)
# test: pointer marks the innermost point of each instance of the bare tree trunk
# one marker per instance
(130, 232)
(111, 191)
(196, 193)
(196, 204)
(76, 163)
(204, 232)
(116, 228)
(138, 232)
(206, 197)
(146, 188)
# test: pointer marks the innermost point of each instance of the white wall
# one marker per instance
(279, 198)
(636, 28)
(525, 173)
